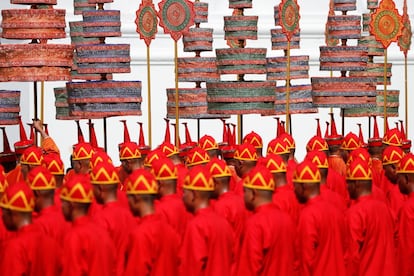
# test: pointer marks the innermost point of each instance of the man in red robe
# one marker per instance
(281, 147)
(321, 229)
(391, 157)
(245, 158)
(267, 247)
(29, 252)
(370, 224)
(283, 197)
(208, 241)
(170, 206)
(321, 161)
(49, 219)
(405, 249)
(227, 204)
(87, 249)
(153, 244)
(113, 216)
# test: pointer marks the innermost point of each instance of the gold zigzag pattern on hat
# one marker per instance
(100, 159)
(77, 188)
(278, 149)
(408, 166)
(31, 159)
(169, 150)
(165, 173)
(393, 140)
(245, 155)
(393, 157)
(217, 171)
(150, 158)
(275, 167)
(209, 144)
(192, 184)
(197, 158)
(151, 186)
(318, 162)
(40, 182)
(307, 176)
(322, 145)
(55, 168)
(28, 206)
(127, 153)
(359, 173)
(255, 142)
(82, 153)
(102, 176)
(259, 182)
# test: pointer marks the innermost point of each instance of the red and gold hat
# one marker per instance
(306, 172)
(350, 142)
(104, 174)
(253, 139)
(278, 146)
(18, 197)
(358, 169)
(199, 179)
(218, 168)
(7, 155)
(197, 156)
(375, 140)
(32, 156)
(143, 148)
(100, 157)
(168, 149)
(141, 181)
(41, 178)
(361, 153)
(406, 143)
(82, 151)
(3, 180)
(259, 178)
(246, 152)
(334, 139)
(24, 143)
(129, 150)
(152, 156)
(393, 137)
(392, 155)
(288, 139)
(207, 143)
(318, 158)
(164, 169)
(406, 164)
(54, 163)
(77, 189)
(274, 163)
(317, 143)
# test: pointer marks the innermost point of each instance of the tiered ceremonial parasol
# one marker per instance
(241, 96)
(290, 99)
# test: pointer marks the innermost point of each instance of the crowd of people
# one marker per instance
(209, 208)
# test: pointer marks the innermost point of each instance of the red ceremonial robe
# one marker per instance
(4, 233)
(267, 247)
(405, 262)
(371, 238)
(51, 222)
(337, 183)
(377, 171)
(231, 207)
(152, 248)
(182, 172)
(118, 221)
(284, 198)
(88, 250)
(30, 252)
(207, 245)
(333, 198)
(171, 209)
(395, 199)
(321, 239)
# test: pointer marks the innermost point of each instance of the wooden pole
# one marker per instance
(288, 129)
(385, 88)
(177, 113)
(149, 98)
(406, 93)
(105, 135)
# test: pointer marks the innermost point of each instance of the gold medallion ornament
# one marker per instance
(386, 23)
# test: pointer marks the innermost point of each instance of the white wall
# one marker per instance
(313, 18)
